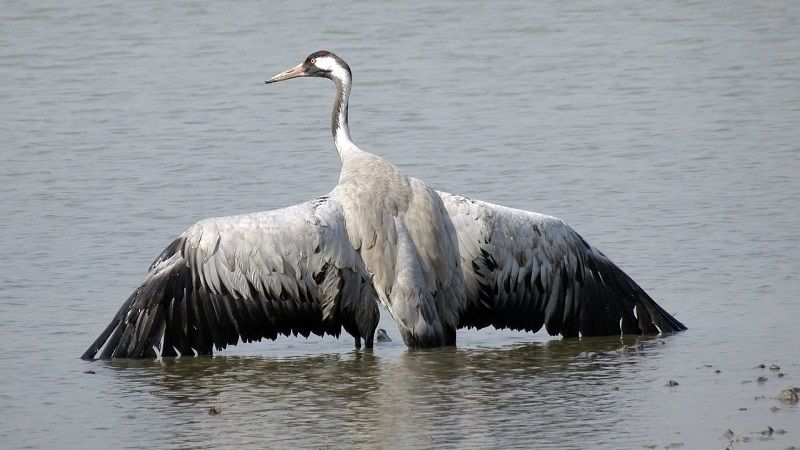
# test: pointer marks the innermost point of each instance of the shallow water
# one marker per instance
(666, 134)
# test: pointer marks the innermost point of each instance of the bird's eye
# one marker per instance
(313, 60)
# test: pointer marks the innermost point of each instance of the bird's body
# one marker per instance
(437, 261)
(402, 231)
(399, 226)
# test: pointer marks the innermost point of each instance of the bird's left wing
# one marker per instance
(245, 278)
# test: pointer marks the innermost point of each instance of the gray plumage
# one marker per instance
(248, 277)
(437, 261)
(524, 270)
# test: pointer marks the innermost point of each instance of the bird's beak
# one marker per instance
(294, 72)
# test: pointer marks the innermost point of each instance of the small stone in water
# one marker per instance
(768, 431)
(671, 383)
(383, 336)
(789, 395)
(761, 379)
(761, 366)
(774, 367)
(728, 434)
(717, 371)
(774, 409)
(214, 410)
(780, 374)
(89, 372)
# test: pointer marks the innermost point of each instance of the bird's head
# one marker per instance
(318, 64)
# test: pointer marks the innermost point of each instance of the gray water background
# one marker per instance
(666, 133)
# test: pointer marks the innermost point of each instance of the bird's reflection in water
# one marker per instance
(440, 397)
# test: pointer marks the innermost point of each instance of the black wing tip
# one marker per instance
(665, 321)
(89, 354)
(170, 315)
(675, 326)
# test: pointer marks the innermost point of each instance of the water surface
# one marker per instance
(665, 133)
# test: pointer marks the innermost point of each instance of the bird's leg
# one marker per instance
(369, 340)
(449, 337)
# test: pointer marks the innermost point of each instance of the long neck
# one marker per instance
(339, 127)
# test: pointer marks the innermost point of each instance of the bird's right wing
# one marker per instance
(524, 270)
(247, 277)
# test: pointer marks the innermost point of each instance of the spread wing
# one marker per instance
(247, 277)
(525, 270)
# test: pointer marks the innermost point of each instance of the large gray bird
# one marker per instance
(437, 261)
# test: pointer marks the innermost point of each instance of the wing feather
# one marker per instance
(245, 278)
(525, 270)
